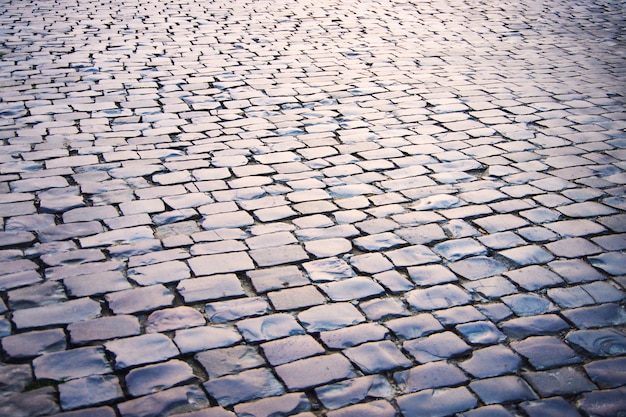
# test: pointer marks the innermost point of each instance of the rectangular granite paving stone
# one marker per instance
(325, 149)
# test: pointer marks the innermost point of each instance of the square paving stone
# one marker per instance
(598, 342)
(414, 326)
(71, 364)
(527, 255)
(210, 288)
(324, 248)
(488, 411)
(377, 408)
(175, 318)
(103, 328)
(61, 313)
(545, 324)
(278, 256)
(428, 376)
(152, 378)
(40, 401)
(229, 361)
(480, 333)
(436, 347)
(428, 275)
(551, 407)
(437, 403)
(537, 234)
(477, 267)
(383, 308)
(378, 242)
(330, 317)
(575, 270)
(181, 399)
(457, 315)
(220, 263)
(140, 299)
(354, 335)
(95, 284)
(225, 311)
(492, 361)
(393, 281)
(68, 231)
(437, 297)
(371, 263)
(545, 352)
(159, 273)
(603, 403)
(614, 263)
(421, 234)
(375, 357)
(500, 223)
(528, 304)
(35, 343)
(503, 389)
(139, 350)
(412, 255)
(296, 298)
(607, 373)
(269, 327)
(453, 250)
(605, 315)
(206, 337)
(291, 348)
(355, 390)
(276, 278)
(329, 269)
(559, 382)
(575, 228)
(532, 278)
(315, 371)
(351, 289)
(492, 288)
(288, 404)
(36, 295)
(89, 391)
(573, 248)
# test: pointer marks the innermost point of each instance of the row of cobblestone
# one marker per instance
(356, 208)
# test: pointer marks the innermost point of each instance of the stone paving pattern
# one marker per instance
(312, 208)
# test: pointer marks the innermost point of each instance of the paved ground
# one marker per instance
(313, 208)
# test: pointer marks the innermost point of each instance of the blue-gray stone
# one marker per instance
(70, 364)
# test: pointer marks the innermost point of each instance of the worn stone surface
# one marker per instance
(337, 208)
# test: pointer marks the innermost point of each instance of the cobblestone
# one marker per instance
(357, 208)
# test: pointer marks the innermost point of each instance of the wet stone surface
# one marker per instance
(312, 209)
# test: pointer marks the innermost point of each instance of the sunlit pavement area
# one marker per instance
(313, 208)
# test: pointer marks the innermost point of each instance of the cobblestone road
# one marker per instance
(313, 208)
